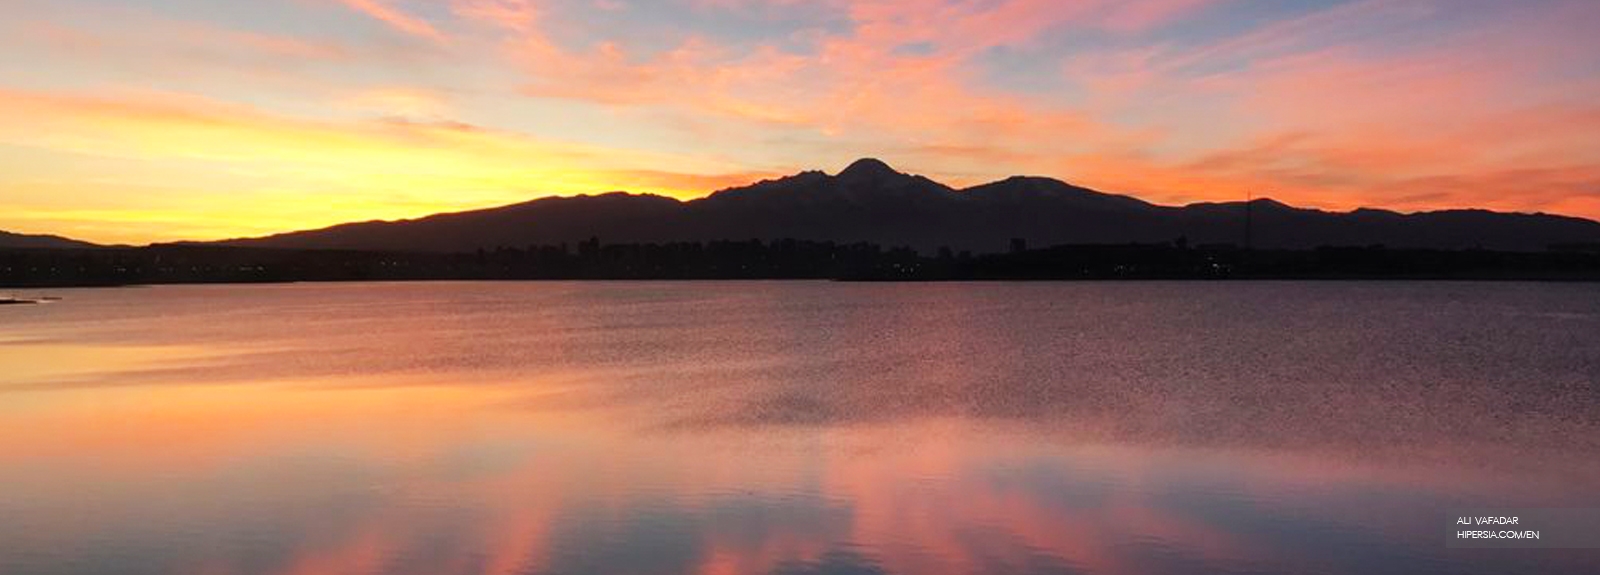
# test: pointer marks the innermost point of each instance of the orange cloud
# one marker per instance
(310, 172)
(851, 85)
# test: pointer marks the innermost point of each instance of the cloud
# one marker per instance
(395, 18)
(401, 101)
(845, 84)
(298, 172)
(516, 15)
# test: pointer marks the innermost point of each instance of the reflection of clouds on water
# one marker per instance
(831, 563)
(412, 488)
(43, 365)
(1265, 364)
(666, 536)
(790, 428)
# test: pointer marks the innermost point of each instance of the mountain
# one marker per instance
(15, 241)
(870, 201)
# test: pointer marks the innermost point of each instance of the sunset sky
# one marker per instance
(124, 121)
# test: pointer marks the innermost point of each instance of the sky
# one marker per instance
(158, 120)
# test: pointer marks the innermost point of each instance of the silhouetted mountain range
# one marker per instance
(857, 225)
(22, 241)
(871, 202)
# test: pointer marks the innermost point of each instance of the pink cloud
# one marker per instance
(516, 15)
(395, 18)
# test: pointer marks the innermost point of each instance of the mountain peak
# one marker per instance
(868, 169)
(872, 202)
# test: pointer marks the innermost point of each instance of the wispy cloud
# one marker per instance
(394, 17)
(313, 172)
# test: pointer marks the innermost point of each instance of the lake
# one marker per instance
(792, 427)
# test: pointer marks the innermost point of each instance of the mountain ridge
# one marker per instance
(10, 240)
(869, 201)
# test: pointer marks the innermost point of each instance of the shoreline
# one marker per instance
(782, 260)
(1587, 279)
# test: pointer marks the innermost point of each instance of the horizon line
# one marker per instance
(1251, 198)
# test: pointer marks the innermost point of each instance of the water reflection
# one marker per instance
(789, 428)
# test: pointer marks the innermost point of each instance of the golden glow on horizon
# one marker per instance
(341, 172)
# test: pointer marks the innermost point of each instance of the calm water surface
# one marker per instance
(792, 428)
